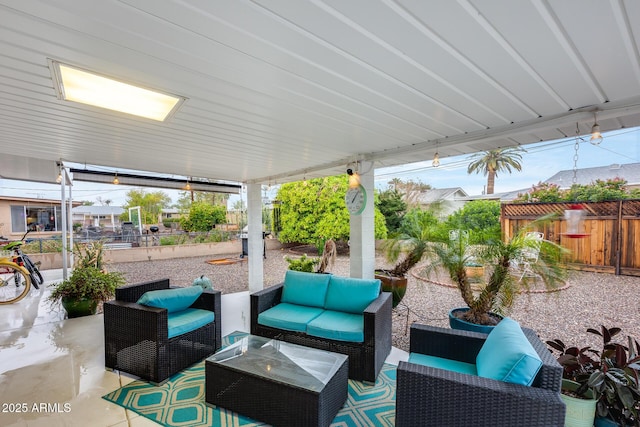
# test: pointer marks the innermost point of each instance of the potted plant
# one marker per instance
(579, 398)
(610, 374)
(485, 304)
(88, 284)
(406, 249)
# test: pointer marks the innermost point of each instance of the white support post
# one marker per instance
(362, 234)
(255, 243)
(63, 212)
(69, 179)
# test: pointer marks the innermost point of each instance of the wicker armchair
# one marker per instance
(365, 358)
(436, 397)
(136, 336)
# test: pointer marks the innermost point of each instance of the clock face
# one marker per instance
(356, 199)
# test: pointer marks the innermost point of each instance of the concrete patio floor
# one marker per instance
(52, 369)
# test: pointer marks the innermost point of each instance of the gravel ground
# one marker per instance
(588, 300)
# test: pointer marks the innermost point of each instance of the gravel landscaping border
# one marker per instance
(588, 301)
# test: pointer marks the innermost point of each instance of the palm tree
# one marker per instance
(493, 161)
(498, 294)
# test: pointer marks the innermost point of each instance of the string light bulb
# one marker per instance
(116, 181)
(59, 178)
(596, 136)
(188, 186)
(436, 160)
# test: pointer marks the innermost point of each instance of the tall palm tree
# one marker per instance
(493, 161)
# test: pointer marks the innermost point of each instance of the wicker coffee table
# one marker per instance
(277, 382)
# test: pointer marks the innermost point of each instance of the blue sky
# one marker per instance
(540, 162)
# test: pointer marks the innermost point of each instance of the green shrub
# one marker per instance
(302, 264)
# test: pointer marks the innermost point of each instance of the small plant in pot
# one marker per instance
(610, 374)
(88, 285)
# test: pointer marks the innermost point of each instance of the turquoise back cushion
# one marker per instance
(351, 295)
(302, 288)
(507, 355)
(175, 299)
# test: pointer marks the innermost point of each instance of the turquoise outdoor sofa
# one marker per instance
(340, 314)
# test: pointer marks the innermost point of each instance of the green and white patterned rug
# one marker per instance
(180, 401)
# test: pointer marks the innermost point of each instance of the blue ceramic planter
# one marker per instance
(457, 323)
(605, 422)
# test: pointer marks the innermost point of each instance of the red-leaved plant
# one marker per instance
(612, 374)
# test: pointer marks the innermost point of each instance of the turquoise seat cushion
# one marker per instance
(302, 288)
(291, 317)
(188, 320)
(507, 355)
(338, 325)
(442, 363)
(174, 299)
(351, 295)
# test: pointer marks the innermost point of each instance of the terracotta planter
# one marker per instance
(457, 323)
(396, 285)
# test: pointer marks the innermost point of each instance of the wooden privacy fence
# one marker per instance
(612, 228)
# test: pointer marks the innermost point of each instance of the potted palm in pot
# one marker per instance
(486, 303)
(89, 283)
(611, 375)
(406, 249)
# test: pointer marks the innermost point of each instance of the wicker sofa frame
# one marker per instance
(136, 336)
(365, 358)
(431, 396)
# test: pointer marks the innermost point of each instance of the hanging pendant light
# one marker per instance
(596, 136)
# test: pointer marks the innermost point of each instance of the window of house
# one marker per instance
(35, 218)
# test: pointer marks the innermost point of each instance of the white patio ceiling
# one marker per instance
(281, 90)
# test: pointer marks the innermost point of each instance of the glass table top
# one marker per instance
(300, 366)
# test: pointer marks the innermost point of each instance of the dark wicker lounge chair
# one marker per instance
(435, 397)
(136, 336)
(365, 358)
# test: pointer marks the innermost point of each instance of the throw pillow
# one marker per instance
(507, 355)
(174, 299)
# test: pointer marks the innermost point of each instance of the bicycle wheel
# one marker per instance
(36, 277)
(14, 283)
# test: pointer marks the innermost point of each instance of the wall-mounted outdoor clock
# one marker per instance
(356, 199)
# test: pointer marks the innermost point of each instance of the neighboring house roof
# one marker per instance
(506, 196)
(32, 200)
(98, 210)
(630, 172)
(440, 194)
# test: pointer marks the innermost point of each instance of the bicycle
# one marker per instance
(15, 282)
(23, 259)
